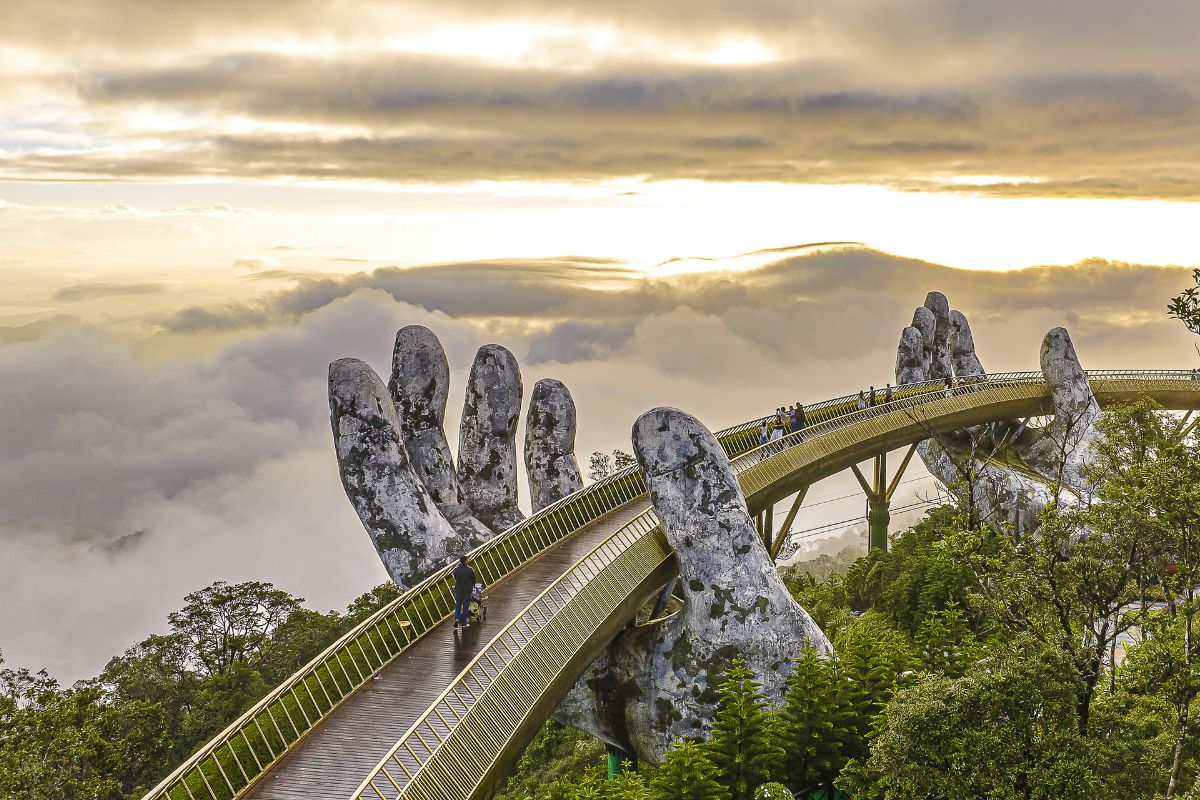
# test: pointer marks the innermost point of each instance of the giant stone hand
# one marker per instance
(1009, 471)
(658, 681)
(395, 463)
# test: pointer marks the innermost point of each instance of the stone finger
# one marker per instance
(550, 461)
(410, 535)
(487, 449)
(962, 347)
(419, 386)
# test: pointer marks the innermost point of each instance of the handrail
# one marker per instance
(234, 760)
(412, 753)
(553, 620)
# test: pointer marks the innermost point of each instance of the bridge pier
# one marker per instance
(879, 493)
(879, 515)
(616, 757)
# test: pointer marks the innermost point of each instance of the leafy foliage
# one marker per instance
(117, 735)
(601, 465)
(1185, 306)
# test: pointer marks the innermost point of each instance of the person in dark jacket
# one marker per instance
(798, 420)
(464, 584)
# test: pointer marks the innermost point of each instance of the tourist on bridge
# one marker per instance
(798, 421)
(949, 390)
(887, 394)
(464, 585)
(777, 430)
(871, 401)
(763, 433)
(862, 400)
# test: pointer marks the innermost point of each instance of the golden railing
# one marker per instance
(463, 743)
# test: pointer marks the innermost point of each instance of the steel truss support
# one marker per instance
(764, 523)
(879, 493)
(1184, 427)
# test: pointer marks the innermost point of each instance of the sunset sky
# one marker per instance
(724, 206)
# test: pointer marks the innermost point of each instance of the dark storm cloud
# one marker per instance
(1072, 98)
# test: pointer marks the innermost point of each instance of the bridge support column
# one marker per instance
(878, 516)
(879, 493)
(616, 756)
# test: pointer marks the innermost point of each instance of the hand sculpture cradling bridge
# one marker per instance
(1005, 472)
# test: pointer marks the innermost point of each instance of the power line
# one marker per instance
(826, 499)
(808, 533)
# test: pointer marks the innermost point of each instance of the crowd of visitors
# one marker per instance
(787, 419)
(791, 419)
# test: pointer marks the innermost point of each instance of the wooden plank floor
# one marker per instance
(336, 756)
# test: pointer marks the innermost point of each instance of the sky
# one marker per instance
(715, 205)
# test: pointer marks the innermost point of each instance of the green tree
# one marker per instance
(552, 764)
(1005, 730)
(945, 642)
(628, 785)
(873, 656)
(772, 791)
(1185, 306)
(817, 721)
(825, 601)
(601, 465)
(745, 736)
(71, 744)
(227, 625)
(687, 773)
(1149, 483)
(919, 575)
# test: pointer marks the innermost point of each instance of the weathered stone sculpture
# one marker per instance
(550, 462)
(411, 537)
(658, 682)
(972, 462)
(395, 461)
(419, 387)
(487, 449)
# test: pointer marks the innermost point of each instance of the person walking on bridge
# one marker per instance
(464, 584)
(798, 421)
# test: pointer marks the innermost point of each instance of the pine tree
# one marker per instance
(818, 722)
(772, 791)
(745, 738)
(687, 774)
(873, 656)
(945, 642)
(628, 785)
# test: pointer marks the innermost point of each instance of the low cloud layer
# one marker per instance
(127, 483)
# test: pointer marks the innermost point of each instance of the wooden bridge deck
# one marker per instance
(339, 753)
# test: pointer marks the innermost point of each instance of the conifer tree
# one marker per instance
(628, 785)
(873, 656)
(687, 773)
(818, 722)
(745, 737)
(945, 642)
